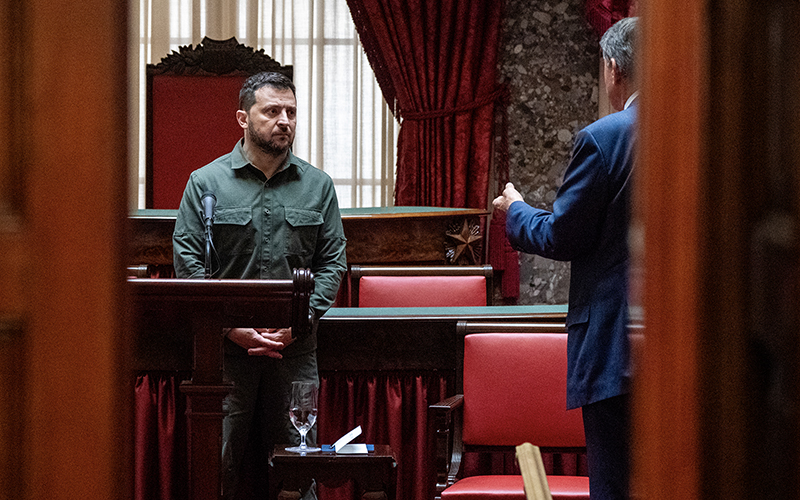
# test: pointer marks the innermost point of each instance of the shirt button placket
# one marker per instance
(266, 233)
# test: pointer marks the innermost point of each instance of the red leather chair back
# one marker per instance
(192, 98)
(193, 123)
(422, 291)
(515, 391)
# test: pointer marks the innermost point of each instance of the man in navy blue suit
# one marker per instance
(589, 227)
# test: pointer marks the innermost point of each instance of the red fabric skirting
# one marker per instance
(391, 408)
(160, 438)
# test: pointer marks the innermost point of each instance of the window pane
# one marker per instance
(340, 108)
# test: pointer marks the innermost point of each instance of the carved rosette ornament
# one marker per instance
(464, 243)
(217, 57)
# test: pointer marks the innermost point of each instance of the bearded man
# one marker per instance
(274, 213)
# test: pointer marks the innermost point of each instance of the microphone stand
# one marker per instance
(208, 250)
(208, 201)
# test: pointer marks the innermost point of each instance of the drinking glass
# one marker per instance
(303, 412)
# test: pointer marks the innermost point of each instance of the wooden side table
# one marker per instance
(374, 474)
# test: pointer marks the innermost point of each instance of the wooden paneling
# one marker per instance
(751, 365)
(419, 236)
(717, 215)
(12, 263)
(65, 422)
(362, 339)
(410, 235)
(668, 198)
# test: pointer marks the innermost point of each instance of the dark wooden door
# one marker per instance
(65, 421)
(716, 243)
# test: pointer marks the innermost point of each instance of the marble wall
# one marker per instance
(549, 58)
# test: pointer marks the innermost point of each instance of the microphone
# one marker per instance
(208, 201)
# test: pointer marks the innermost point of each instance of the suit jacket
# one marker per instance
(589, 227)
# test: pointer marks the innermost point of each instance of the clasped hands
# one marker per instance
(262, 341)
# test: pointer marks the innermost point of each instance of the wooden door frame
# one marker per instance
(717, 243)
(66, 424)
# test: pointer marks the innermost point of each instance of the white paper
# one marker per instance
(345, 440)
(352, 448)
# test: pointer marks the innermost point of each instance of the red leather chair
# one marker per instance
(421, 286)
(192, 98)
(514, 391)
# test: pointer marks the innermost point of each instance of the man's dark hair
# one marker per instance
(619, 43)
(247, 96)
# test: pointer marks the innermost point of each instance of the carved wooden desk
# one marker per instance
(381, 235)
(374, 474)
(207, 306)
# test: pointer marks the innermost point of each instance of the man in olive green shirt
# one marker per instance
(274, 212)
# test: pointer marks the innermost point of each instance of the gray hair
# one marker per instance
(619, 43)
(247, 96)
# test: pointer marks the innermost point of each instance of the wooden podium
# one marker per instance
(208, 306)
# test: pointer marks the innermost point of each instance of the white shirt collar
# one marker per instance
(631, 99)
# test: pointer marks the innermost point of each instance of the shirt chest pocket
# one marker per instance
(303, 225)
(234, 233)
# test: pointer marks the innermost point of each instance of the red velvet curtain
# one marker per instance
(160, 461)
(436, 63)
(392, 408)
(602, 14)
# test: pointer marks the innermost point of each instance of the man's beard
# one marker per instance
(267, 146)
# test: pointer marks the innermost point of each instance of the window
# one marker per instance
(344, 125)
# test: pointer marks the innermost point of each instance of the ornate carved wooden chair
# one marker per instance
(514, 391)
(421, 286)
(192, 98)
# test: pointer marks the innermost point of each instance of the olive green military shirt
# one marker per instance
(263, 229)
